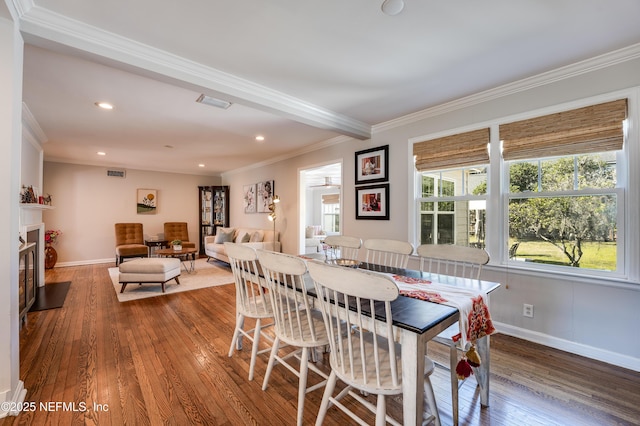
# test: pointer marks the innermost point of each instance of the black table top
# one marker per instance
(418, 315)
(408, 313)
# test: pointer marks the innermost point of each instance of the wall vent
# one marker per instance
(116, 173)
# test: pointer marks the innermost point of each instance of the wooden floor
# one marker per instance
(164, 360)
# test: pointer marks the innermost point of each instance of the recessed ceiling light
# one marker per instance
(392, 7)
(208, 100)
(260, 138)
(101, 153)
(200, 165)
(104, 105)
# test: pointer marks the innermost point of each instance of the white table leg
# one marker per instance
(483, 371)
(413, 352)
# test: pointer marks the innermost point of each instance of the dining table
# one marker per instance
(416, 322)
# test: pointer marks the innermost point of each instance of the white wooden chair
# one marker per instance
(347, 247)
(251, 300)
(296, 322)
(388, 252)
(369, 361)
(459, 261)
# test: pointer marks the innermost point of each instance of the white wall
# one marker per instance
(598, 319)
(10, 140)
(88, 203)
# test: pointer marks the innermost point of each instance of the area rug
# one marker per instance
(50, 296)
(206, 274)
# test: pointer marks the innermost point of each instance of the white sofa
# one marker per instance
(312, 239)
(253, 237)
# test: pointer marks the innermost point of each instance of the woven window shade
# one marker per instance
(461, 150)
(331, 199)
(596, 128)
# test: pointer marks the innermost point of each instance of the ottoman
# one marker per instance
(149, 271)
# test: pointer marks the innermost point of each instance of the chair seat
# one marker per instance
(363, 378)
(298, 332)
(255, 307)
(131, 250)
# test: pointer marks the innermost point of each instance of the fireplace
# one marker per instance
(34, 234)
(27, 280)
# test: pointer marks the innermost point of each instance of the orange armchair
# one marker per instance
(178, 231)
(130, 241)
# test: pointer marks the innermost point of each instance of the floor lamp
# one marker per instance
(273, 216)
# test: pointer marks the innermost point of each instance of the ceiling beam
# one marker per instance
(47, 29)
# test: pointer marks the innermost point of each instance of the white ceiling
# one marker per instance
(301, 73)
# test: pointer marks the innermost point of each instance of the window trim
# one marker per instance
(497, 193)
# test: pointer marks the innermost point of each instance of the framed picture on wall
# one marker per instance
(249, 198)
(147, 201)
(264, 193)
(372, 165)
(372, 202)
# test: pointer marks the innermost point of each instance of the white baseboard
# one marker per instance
(609, 357)
(85, 262)
(18, 398)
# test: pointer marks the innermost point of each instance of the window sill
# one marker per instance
(616, 281)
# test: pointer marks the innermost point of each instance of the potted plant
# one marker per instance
(177, 245)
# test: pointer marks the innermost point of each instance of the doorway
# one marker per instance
(320, 205)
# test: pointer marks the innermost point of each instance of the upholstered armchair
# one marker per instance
(130, 241)
(178, 231)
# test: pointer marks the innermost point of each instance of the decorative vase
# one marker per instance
(50, 257)
(177, 247)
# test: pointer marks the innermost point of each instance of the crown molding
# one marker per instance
(583, 67)
(311, 148)
(37, 137)
(21, 7)
(37, 24)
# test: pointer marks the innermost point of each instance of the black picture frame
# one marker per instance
(372, 165)
(372, 202)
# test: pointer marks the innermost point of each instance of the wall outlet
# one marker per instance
(527, 310)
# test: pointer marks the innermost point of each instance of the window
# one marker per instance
(331, 213)
(452, 207)
(563, 194)
(452, 201)
(563, 211)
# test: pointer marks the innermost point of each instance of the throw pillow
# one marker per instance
(246, 237)
(257, 237)
(223, 237)
(309, 231)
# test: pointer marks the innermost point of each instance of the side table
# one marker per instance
(154, 245)
(185, 255)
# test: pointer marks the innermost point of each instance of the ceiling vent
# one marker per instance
(208, 100)
(117, 173)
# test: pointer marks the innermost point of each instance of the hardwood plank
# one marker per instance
(164, 360)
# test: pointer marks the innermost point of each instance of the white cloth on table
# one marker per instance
(475, 320)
